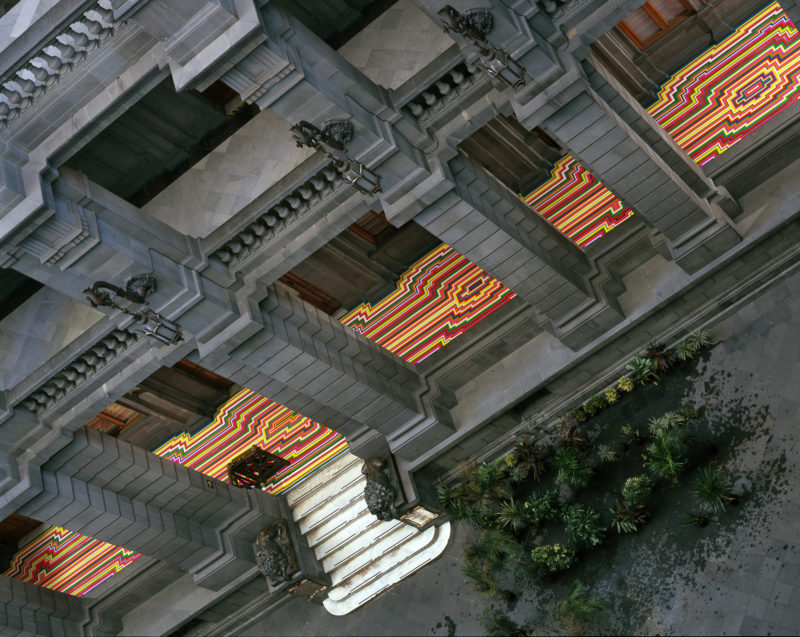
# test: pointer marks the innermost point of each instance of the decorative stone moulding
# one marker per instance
(251, 238)
(274, 553)
(78, 371)
(556, 8)
(62, 53)
(443, 91)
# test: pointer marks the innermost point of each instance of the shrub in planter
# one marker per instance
(665, 451)
(630, 434)
(492, 547)
(636, 489)
(552, 558)
(628, 517)
(712, 490)
(694, 519)
(641, 369)
(595, 405)
(582, 525)
(570, 436)
(513, 516)
(611, 395)
(543, 506)
(667, 422)
(660, 356)
(486, 485)
(485, 580)
(533, 458)
(571, 467)
(626, 384)
(580, 415)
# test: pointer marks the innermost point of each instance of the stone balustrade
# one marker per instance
(79, 370)
(301, 199)
(31, 78)
(442, 92)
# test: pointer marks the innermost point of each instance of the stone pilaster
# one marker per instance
(304, 359)
(597, 136)
(108, 489)
(28, 609)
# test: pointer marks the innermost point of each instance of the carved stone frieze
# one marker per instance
(31, 78)
(380, 492)
(247, 241)
(79, 370)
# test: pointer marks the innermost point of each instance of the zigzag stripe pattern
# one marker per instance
(438, 298)
(68, 562)
(249, 419)
(733, 88)
(578, 205)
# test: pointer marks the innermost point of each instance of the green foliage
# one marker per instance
(636, 489)
(570, 436)
(582, 525)
(472, 515)
(496, 623)
(629, 434)
(628, 517)
(493, 547)
(542, 506)
(533, 458)
(606, 453)
(552, 558)
(513, 515)
(445, 496)
(641, 368)
(660, 356)
(694, 519)
(595, 405)
(695, 341)
(712, 490)
(625, 384)
(612, 395)
(486, 485)
(667, 422)
(579, 414)
(571, 467)
(578, 608)
(685, 351)
(663, 453)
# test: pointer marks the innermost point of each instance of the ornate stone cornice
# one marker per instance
(31, 78)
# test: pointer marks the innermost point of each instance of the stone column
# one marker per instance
(110, 490)
(311, 363)
(592, 132)
(495, 230)
(28, 609)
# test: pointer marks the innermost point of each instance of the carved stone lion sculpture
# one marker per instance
(273, 554)
(379, 491)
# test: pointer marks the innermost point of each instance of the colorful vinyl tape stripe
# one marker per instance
(576, 203)
(68, 562)
(438, 298)
(249, 419)
(734, 87)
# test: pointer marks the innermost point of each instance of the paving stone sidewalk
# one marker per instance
(742, 579)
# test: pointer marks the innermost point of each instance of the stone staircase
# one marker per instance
(362, 555)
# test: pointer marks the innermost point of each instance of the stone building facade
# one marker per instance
(154, 136)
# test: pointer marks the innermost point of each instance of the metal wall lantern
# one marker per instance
(502, 66)
(361, 178)
(473, 26)
(105, 294)
(331, 140)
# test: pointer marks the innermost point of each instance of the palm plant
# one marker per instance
(493, 547)
(667, 422)
(700, 338)
(513, 515)
(664, 451)
(486, 485)
(532, 457)
(694, 519)
(712, 490)
(685, 350)
(628, 517)
(641, 369)
(496, 623)
(577, 609)
(582, 525)
(569, 436)
(571, 467)
(606, 453)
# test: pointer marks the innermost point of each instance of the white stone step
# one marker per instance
(331, 489)
(365, 549)
(321, 477)
(388, 571)
(356, 527)
(330, 509)
(346, 514)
